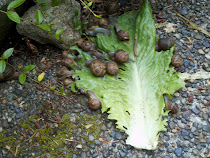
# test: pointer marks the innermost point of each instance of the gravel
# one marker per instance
(187, 132)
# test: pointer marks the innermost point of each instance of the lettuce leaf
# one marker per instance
(135, 100)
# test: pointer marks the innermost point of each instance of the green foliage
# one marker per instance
(12, 15)
(58, 33)
(29, 68)
(44, 27)
(39, 16)
(53, 87)
(73, 87)
(2, 66)
(22, 78)
(78, 25)
(55, 3)
(7, 53)
(15, 4)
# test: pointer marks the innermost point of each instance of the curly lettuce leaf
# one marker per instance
(135, 100)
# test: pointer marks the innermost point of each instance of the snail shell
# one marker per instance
(94, 101)
(67, 81)
(176, 60)
(67, 62)
(112, 68)
(98, 68)
(62, 71)
(165, 43)
(9, 74)
(103, 22)
(173, 107)
(123, 35)
(121, 56)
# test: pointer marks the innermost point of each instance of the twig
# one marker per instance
(194, 26)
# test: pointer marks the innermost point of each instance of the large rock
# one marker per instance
(6, 24)
(62, 18)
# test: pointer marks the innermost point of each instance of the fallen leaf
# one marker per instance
(88, 126)
(79, 146)
(191, 124)
(170, 27)
(102, 140)
(41, 76)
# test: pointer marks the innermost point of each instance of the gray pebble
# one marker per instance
(178, 152)
(206, 128)
(172, 125)
(91, 137)
(195, 111)
(118, 135)
(184, 132)
(122, 154)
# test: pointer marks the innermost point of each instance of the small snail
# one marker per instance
(67, 81)
(94, 101)
(86, 45)
(63, 73)
(69, 63)
(66, 54)
(9, 74)
(165, 43)
(112, 7)
(103, 22)
(93, 31)
(176, 60)
(112, 68)
(173, 107)
(98, 68)
(120, 56)
(121, 34)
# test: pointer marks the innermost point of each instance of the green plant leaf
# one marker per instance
(55, 3)
(78, 27)
(84, 22)
(53, 88)
(39, 16)
(44, 27)
(89, 4)
(61, 90)
(76, 12)
(29, 68)
(2, 66)
(135, 100)
(22, 78)
(73, 87)
(58, 32)
(13, 16)
(97, 16)
(75, 21)
(7, 53)
(15, 4)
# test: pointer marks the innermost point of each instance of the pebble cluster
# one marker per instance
(187, 132)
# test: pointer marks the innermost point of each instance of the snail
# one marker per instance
(94, 30)
(67, 81)
(63, 72)
(94, 101)
(176, 60)
(9, 74)
(173, 107)
(121, 34)
(103, 22)
(120, 56)
(86, 45)
(112, 68)
(65, 54)
(165, 43)
(112, 7)
(98, 68)
(69, 63)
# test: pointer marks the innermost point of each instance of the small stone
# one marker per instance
(74, 156)
(170, 150)
(118, 135)
(185, 149)
(206, 128)
(184, 132)
(91, 137)
(195, 111)
(19, 115)
(187, 114)
(113, 134)
(186, 138)
(122, 154)
(172, 125)
(207, 56)
(200, 51)
(208, 140)
(184, 11)
(198, 37)
(207, 45)
(95, 155)
(5, 124)
(103, 127)
(178, 152)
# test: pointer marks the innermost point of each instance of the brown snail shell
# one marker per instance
(121, 56)
(67, 62)
(103, 22)
(79, 42)
(176, 60)
(112, 68)
(97, 68)
(173, 107)
(112, 7)
(67, 81)
(62, 71)
(123, 35)
(9, 74)
(94, 101)
(165, 43)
